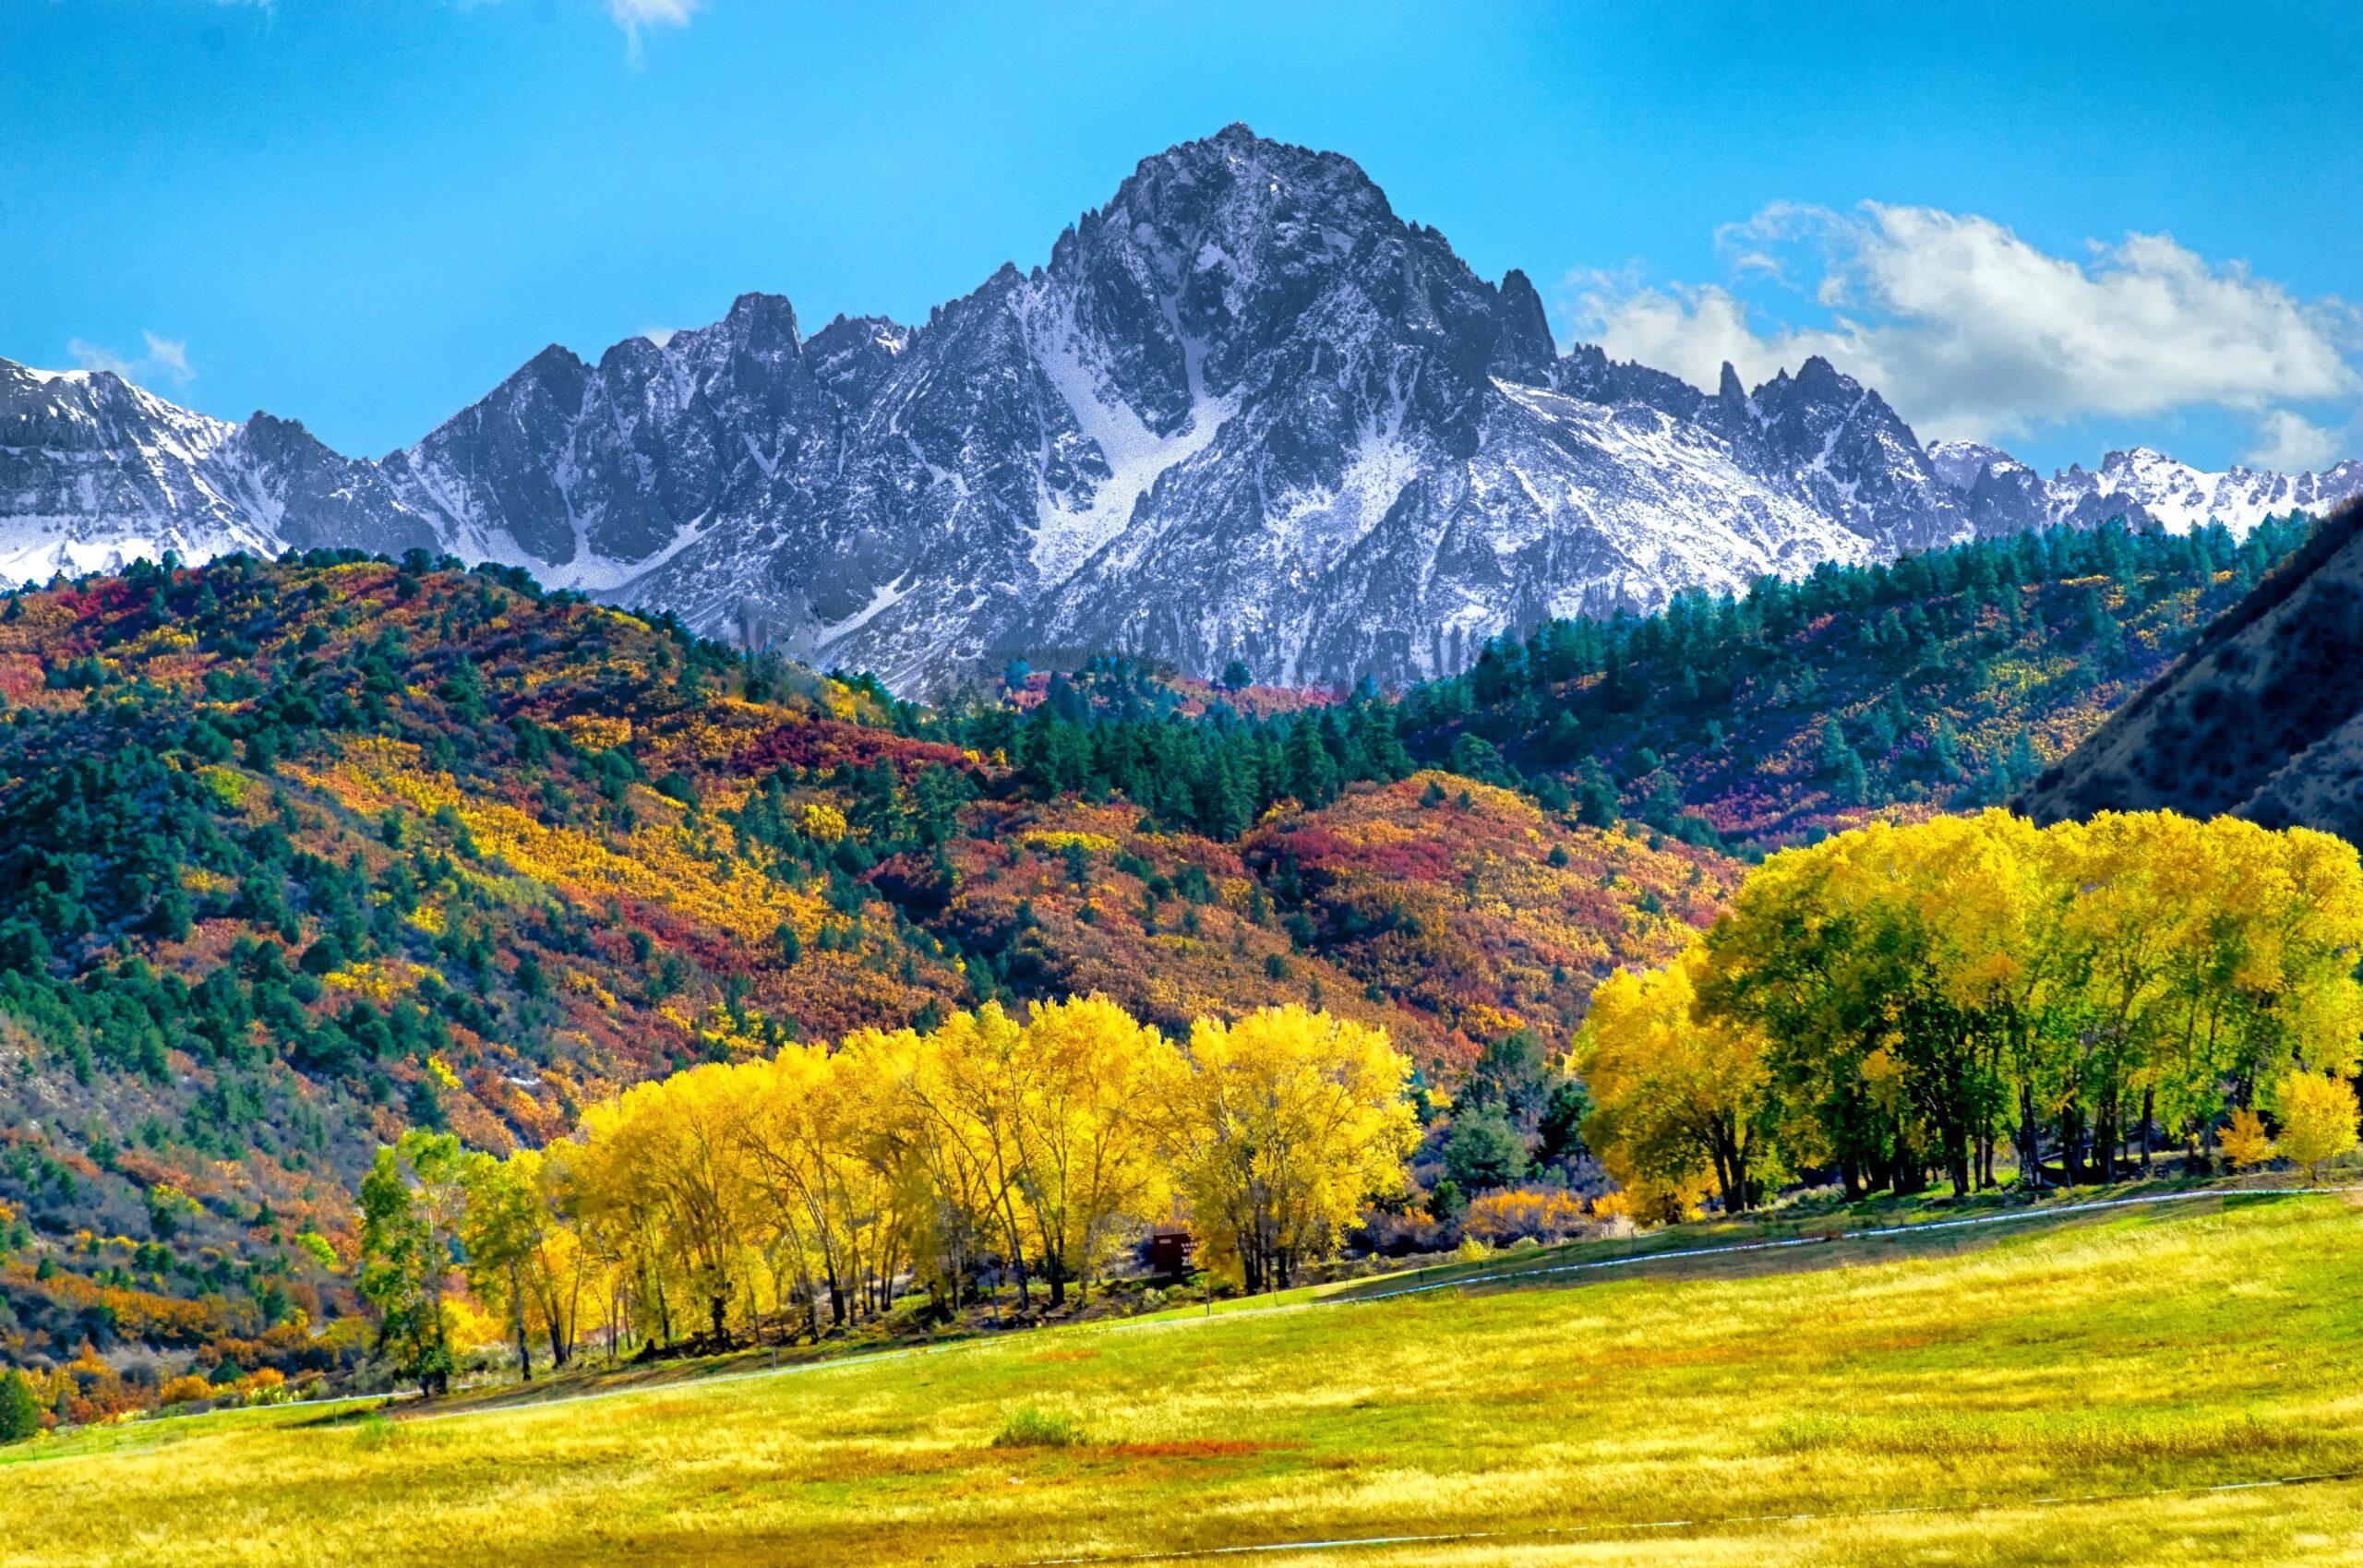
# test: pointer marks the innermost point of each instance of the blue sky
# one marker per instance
(364, 214)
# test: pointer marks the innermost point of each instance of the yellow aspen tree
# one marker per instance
(567, 1275)
(1087, 1132)
(1280, 1128)
(2318, 1115)
(2144, 882)
(959, 1089)
(678, 1145)
(942, 1194)
(812, 1136)
(2245, 1142)
(1676, 1092)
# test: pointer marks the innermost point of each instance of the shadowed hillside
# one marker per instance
(2262, 718)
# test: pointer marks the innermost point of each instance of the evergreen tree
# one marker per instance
(19, 1406)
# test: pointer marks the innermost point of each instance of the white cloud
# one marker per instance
(2287, 442)
(166, 359)
(660, 336)
(636, 16)
(1972, 332)
(651, 13)
(170, 355)
(90, 356)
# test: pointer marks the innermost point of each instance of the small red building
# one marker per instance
(1169, 1252)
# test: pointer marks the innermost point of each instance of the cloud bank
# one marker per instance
(1974, 333)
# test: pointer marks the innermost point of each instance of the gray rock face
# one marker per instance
(1244, 411)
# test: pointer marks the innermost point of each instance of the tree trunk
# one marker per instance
(1731, 1175)
(2029, 1138)
(517, 1315)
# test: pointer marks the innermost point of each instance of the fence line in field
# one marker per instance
(2032, 1211)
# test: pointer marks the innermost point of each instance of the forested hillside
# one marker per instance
(304, 854)
(1941, 682)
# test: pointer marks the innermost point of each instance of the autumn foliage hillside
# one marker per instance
(304, 852)
(1453, 913)
(1477, 909)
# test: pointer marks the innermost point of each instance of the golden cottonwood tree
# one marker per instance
(1921, 991)
(1087, 1132)
(671, 1168)
(1279, 1128)
(619, 1223)
(943, 1195)
(2317, 1118)
(527, 1256)
(1675, 1091)
(812, 1130)
(960, 1090)
(566, 1276)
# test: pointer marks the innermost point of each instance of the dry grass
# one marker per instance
(2157, 1351)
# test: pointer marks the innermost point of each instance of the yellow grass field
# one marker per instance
(2056, 1393)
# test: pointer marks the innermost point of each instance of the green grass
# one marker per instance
(2115, 1360)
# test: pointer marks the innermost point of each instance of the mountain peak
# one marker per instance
(1525, 348)
(762, 312)
(556, 360)
(1241, 169)
(1820, 377)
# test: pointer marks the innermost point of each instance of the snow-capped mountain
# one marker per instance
(95, 473)
(2001, 493)
(1244, 411)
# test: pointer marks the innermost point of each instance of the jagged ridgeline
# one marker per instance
(1244, 410)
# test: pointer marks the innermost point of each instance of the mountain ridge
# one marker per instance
(1243, 411)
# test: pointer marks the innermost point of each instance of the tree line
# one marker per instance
(1581, 713)
(1627, 710)
(1905, 1001)
(808, 1190)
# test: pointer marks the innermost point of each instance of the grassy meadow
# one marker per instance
(2021, 1392)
